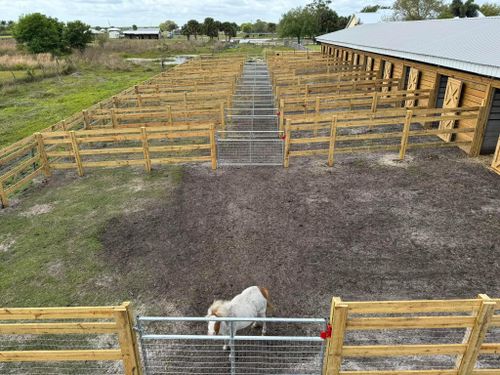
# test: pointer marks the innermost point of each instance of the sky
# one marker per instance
(152, 12)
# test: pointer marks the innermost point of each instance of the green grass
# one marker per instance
(314, 47)
(54, 258)
(29, 107)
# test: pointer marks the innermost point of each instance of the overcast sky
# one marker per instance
(152, 12)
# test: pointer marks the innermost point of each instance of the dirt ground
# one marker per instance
(369, 228)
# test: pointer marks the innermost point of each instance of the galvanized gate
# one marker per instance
(252, 135)
(181, 346)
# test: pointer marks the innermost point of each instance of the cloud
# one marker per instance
(152, 12)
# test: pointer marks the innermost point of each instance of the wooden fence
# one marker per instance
(44, 323)
(302, 79)
(384, 130)
(495, 164)
(322, 106)
(474, 317)
(188, 100)
(146, 146)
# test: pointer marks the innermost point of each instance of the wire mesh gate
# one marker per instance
(252, 135)
(180, 346)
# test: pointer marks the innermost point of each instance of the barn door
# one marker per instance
(369, 63)
(387, 74)
(451, 100)
(412, 85)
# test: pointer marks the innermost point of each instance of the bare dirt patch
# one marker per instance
(360, 230)
(38, 209)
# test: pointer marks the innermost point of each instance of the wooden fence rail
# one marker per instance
(324, 135)
(476, 316)
(92, 321)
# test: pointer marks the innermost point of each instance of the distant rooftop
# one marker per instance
(469, 44)
(148, 31)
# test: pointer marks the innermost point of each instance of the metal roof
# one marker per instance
(143, 31)
(468, 44)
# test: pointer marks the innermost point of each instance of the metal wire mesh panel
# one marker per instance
(249, 148)
(167, 353)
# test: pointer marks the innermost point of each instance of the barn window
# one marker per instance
(441, 90)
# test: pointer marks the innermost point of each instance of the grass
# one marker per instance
(53, 258)
(29, 107)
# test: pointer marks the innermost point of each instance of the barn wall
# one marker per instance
(476, 90)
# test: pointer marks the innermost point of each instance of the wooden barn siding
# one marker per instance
(476, 90)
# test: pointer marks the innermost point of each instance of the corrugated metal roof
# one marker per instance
(469, 44)
(143, 31)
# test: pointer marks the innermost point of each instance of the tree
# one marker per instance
(490, 9)
(77, 35)
(40, 34)
(467, 9)
(297, 22)
(246, 27)
(271, 27)
(326, 19)
(229, 29)
(168, 25)
(370, 9)
(192, 27)
(210, 28)
(259, 27)
(417, 9)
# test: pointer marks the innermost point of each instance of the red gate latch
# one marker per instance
(326, 334)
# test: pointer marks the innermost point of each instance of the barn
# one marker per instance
(457, 59)
(153, 33)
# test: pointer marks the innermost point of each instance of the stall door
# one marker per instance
(412, 85)
(387, 74)
(451, 100)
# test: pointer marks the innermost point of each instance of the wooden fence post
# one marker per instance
(374, 102)
(282, 114)
(406, 134)
(213, 149)
(76, 153)
(222, 116)
(86, 119)
(128, 340)
(333, 137)
(4, 202)
(288, 132)
(476, 336)
(145, 149)
(335, 344)
(114, 119)
(43, 154)
(170, 116)
(115, 102)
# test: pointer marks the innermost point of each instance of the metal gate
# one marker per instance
(181, 346)
(236, 147)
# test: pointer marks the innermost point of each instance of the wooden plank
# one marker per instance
(20, 168)
(356, 324)
(335, 346)
(60, 355)
(17, 154)
(43, 155)
(125, 337)
(180, 160)
(76, 153)
(415, 306)
(331, 146)
(405, 135)
(58, 328)
(402, 350)
(145, 147)
(4, 201)
(213, 151)
(44, 313)
(26, 179)
(451, 100)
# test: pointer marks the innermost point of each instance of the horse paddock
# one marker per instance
(370, 229)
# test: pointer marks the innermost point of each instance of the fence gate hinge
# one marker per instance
(327, 333)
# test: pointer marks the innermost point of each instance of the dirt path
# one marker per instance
(366, 229)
